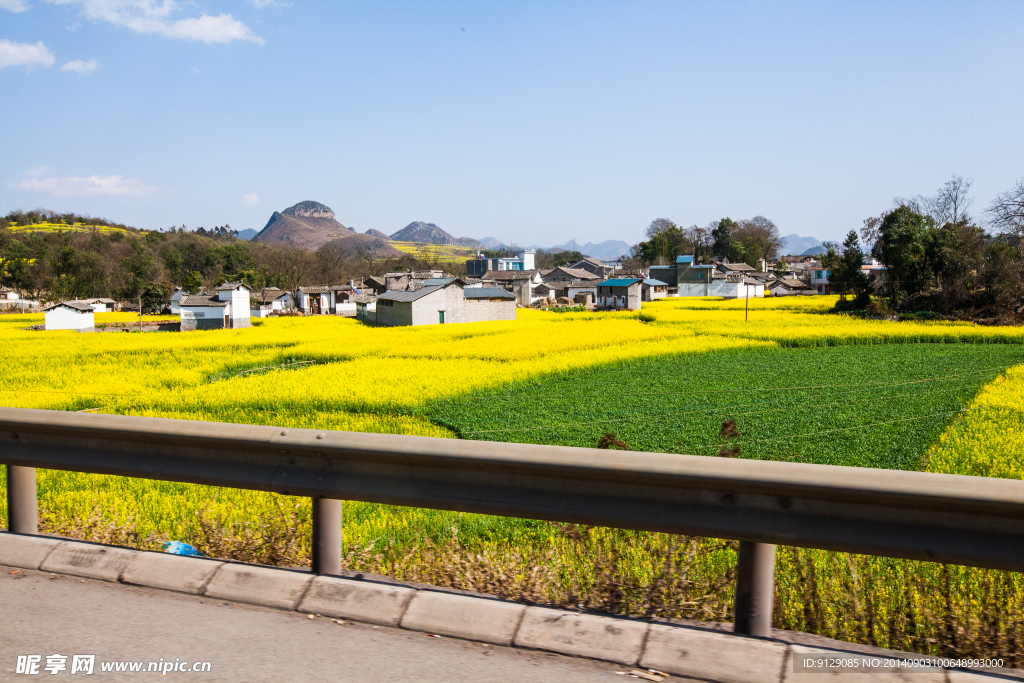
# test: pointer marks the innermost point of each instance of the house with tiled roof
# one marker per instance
(228, 308)
(315, 300)
(443, 304)
(270, 301)
(69, 315)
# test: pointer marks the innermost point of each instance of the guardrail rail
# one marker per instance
(915, 515)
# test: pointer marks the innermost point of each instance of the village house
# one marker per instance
(444, 304)
(481, 265)
(369, 285)
(619, 293)
(315, 300)
(8, 294)
(520, 283)
(595, 267)
(69, 315)
(227, 309)
(366, 308)
(101, 305)
(789, 286)
(271, 300)
(728, 280)
(819, 277)
(653, 289)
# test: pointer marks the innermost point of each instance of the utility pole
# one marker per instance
(140, 312)
(746, 313)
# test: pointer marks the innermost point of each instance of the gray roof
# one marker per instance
(413, 295)
(509, 274)
(99, 301)
(77, 305)
(202, 301)
(488, 293)
(573, 273)
(437, 281)
(231, 285)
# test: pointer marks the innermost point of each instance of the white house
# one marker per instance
(8, 294)
(101, 305)
(523, 260)
(70, 315)
(271, 300)
(653, 289)
(176, 300)
(819, 278)
(227, 309)
(316, 300)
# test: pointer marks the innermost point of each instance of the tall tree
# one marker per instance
(901, 246)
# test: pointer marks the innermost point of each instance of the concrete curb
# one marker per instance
(687, 651)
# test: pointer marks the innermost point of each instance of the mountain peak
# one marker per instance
(418, 231)
(309, 209)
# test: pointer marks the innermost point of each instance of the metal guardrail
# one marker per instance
(914, 515)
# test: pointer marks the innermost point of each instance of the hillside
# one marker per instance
(308, 225)
(357, 243)
(377, 233)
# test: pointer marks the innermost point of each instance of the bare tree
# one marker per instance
(658, 226)
(949, 205)
(1006, 212)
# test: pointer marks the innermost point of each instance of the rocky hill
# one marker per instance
(429, 233)
(377, 233)
(308, 224)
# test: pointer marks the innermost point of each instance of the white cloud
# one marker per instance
(24, 54)
(251, 199)
(260, 4)
(154, 16)
(111, 185)
(78, 66)
(14, 5)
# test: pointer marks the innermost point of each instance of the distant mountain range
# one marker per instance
(311, 225)
(795, 244)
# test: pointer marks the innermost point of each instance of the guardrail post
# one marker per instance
(326, 536)
(22, 514)
(755, 589)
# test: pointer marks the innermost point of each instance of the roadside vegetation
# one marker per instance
(798, 383)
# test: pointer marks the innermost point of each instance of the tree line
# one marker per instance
(131, 265)
(743, 241)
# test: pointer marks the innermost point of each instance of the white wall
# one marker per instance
(239, 308)
(62, 318)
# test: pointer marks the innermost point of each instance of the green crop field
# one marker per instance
(866, 406)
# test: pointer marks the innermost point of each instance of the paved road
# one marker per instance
(44, 614)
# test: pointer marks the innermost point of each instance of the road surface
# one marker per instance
(46, 614)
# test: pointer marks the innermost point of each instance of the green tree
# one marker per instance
(725, 242)
(902, 248)
(192, 283)
(846, 276)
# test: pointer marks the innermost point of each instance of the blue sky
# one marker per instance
(532, 122)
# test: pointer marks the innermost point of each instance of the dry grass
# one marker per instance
(939, 609)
